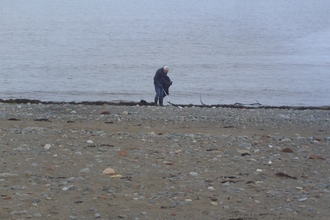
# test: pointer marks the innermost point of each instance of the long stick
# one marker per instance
(167, 96)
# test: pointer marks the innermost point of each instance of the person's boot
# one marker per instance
(156, 100)
(161, 102)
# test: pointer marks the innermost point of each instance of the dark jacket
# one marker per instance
(159, 78)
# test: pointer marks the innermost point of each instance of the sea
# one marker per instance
(271, 52)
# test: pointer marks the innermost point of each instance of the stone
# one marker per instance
(7, 175)
(51, 168)
(123, 153)
(193, 174)
(313, 156)
(243, 152)
(47, 146)
(28, 173)
(105, 113)
(84, 171)
(116, 176)
(287, 150)
(302, 199)
(246, 145)
(109, 171)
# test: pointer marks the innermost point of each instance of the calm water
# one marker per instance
(220, 51)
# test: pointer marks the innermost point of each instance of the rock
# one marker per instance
(51, 168)
(211, 188)
(286, 140)
(47, 146)
(246, 145)
(116, 176)
(193, 174)
(15, 187)
(28, 173)
(214, 203)
(105, 113)
(84, 171)
(243, 152)
(313, 156)
(123, 153)
(4, 175)
(287, 150)
(109, 171)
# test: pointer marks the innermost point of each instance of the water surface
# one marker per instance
(220, 51)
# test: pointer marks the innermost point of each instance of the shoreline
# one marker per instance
(145, 103)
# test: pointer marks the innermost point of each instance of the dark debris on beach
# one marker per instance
(145, 103)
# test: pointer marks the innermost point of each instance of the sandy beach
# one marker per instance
(67, 161)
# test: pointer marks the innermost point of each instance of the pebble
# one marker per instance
(302, 199)
(28, 173)
(193, 174)
(4, 175)
(47, 146)
(109, 171)
(84, 171)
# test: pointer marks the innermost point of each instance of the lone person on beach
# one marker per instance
(161, 80)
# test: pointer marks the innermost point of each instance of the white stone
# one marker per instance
(85, 170)
(193, 174)
(47, 146)
(7, 174)
(109, 171)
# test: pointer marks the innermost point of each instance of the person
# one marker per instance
(161, 81)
